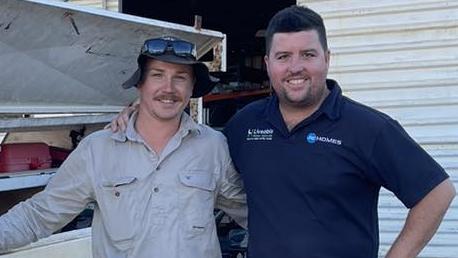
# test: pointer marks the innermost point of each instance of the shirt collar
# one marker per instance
(187, 125)
(330, 107)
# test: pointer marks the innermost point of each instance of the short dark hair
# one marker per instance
(295, 19)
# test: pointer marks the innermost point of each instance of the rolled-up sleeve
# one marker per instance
(231, 197)
(65, 196)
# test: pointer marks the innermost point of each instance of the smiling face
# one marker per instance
(165, 90)
(297, 66)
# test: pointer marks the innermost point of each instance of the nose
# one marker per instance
(296, 65)
(168, 85)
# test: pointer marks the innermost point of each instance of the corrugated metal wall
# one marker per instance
(112, 5)
(401, 57)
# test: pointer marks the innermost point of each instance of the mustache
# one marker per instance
(169, 96)
(296, 75)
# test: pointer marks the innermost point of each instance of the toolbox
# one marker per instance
(24, 156)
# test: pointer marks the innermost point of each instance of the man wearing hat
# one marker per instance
(154, 186)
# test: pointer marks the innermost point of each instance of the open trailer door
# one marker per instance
(59, 58)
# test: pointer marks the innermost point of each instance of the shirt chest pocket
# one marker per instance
(197, 198)
(119, 207)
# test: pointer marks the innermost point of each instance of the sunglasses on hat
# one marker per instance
(173, 50)
(160, 46)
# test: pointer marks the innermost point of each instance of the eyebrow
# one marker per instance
(282, 52)
(162, 70)
(310, 50)
(302, 51)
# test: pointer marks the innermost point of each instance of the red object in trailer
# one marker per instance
(24, 156)
(58, 155)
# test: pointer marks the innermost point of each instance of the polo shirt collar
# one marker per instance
(330, 107)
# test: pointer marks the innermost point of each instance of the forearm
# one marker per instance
(236, 209)
(65, 196)
(16, 229)
(422, 222)
(233, 202)
(232, 197)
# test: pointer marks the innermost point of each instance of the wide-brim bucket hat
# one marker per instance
(176, 51)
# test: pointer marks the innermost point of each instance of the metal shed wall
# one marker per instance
(401, 57)
(112, 5)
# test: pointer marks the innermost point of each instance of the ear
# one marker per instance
(140, 84)
(327, 56)
(266, 61)
(193, 84)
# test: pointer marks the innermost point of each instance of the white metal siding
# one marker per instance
(401, 57)
(112, 5)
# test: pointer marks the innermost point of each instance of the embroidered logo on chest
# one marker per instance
(259, 134)
(313, 138)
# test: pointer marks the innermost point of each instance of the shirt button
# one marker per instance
(156, 189)
(117, 194)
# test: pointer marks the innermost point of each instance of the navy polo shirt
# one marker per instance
(313, 191)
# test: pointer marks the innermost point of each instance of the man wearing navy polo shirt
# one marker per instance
(313, 161)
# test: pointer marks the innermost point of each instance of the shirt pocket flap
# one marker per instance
(119, 181)
(198, 178)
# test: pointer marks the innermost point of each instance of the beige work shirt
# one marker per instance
(146, 205)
